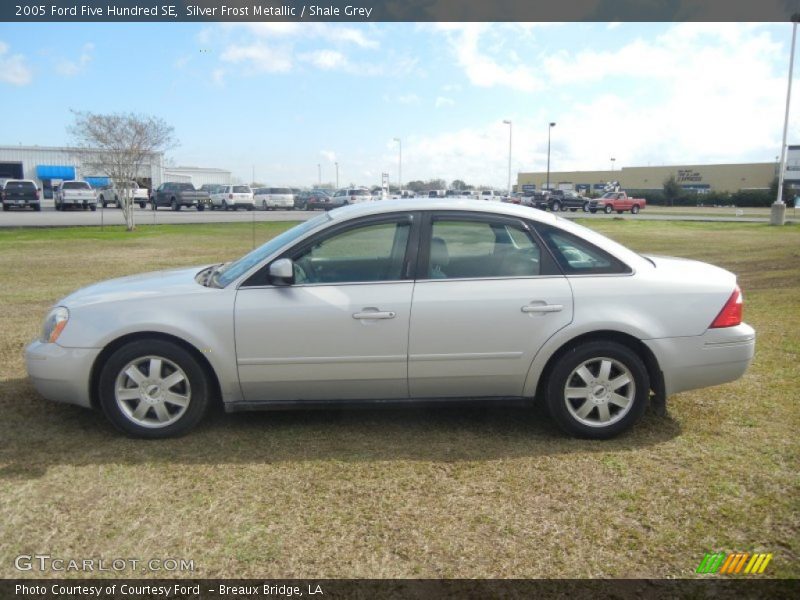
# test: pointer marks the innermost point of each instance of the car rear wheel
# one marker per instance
(92, 207)
(598, 390)
(142, 205)
(634, 209)
(263, 205)
(608, 210)
(556, 206)
(153, 389)
(201, 207)
(586, 207)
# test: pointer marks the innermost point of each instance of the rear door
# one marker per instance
(487, 297)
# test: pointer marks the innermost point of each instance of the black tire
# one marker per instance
(573, 209)
(198, 385)
(142, 205)
(556, 206)
(593, 210)
(201, 207)
(586, 207)
(563, 374)
(37, 207)
(92, 207)
(6, 208)
(608, 210)
(174, 205)
(635, 209)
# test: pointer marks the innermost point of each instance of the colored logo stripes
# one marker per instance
(737, 562)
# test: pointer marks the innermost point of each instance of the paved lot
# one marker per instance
(49, 217)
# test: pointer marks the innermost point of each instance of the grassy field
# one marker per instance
(411, 493)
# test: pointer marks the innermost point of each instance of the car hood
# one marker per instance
(146, 285)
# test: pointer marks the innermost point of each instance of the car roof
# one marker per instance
(448, 204)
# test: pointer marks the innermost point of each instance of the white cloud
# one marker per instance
(260, 57)
(332, 33)
(70, 68)
(408, 99)
(442, 102)
(218, 77)
(482, 69)
(13, 68)
(325, 59)
(330, 155)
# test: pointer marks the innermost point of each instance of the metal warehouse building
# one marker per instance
(701, 178)
(50, 165)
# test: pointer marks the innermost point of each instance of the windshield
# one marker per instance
(237, 268)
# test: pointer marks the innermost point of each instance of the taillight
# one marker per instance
(731, 313)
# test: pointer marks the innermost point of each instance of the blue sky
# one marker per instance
(284, 97)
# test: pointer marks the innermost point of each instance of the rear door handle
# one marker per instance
(374, 314)
(542, 308)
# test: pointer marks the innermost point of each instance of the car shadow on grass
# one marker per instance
(36, 435)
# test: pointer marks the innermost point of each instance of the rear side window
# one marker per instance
(20, 186)
(477, 249)
(577, 256)
(76, 185)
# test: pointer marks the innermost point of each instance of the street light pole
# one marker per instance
(778, 209)
(319, 173)
(612, 165)
(399, 164)
(337, 175)
(548, 154)
(508, 122)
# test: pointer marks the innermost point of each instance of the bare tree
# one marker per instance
(119, 145)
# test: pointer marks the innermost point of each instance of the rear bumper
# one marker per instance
(61, 374)
(718, 356)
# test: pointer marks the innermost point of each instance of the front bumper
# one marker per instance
(718, 356)
(61, 374)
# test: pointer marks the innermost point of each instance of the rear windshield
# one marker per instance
(76, 185)
(241, 189)
(185, 186)
(20, 186)
(280, 191)
(486, 193)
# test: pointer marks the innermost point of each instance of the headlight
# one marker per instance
(54, 324)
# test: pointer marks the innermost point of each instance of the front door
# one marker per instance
(341, 331)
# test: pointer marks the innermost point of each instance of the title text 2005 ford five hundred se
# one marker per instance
(401, 301)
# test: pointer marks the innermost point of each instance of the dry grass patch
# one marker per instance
(411, 493)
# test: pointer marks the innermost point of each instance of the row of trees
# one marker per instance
(673, 194)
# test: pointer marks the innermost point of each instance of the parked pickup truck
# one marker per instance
(22, 193)
(176, 195)
(110, 195)
(617, 201)
(75, 194)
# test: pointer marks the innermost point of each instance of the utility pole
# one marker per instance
(510, 127)
(778, 209)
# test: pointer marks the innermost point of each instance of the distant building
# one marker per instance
(50, 165)
(700, 178)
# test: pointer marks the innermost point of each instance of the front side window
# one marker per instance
(373, 252)
(469, 248)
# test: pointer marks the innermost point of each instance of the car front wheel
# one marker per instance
(635, 209)
(153, 389)
(598, 390)
(608, 210)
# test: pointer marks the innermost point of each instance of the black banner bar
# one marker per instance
(397, 10)
(741, 588)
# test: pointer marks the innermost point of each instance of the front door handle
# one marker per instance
(374, 314)
(542, 308)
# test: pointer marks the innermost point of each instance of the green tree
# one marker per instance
(672, 190)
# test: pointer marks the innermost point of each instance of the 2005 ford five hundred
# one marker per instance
(397, 302)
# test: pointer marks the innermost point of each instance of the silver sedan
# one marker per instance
(395, 302)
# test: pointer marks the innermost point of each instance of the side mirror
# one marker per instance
(281, 272)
